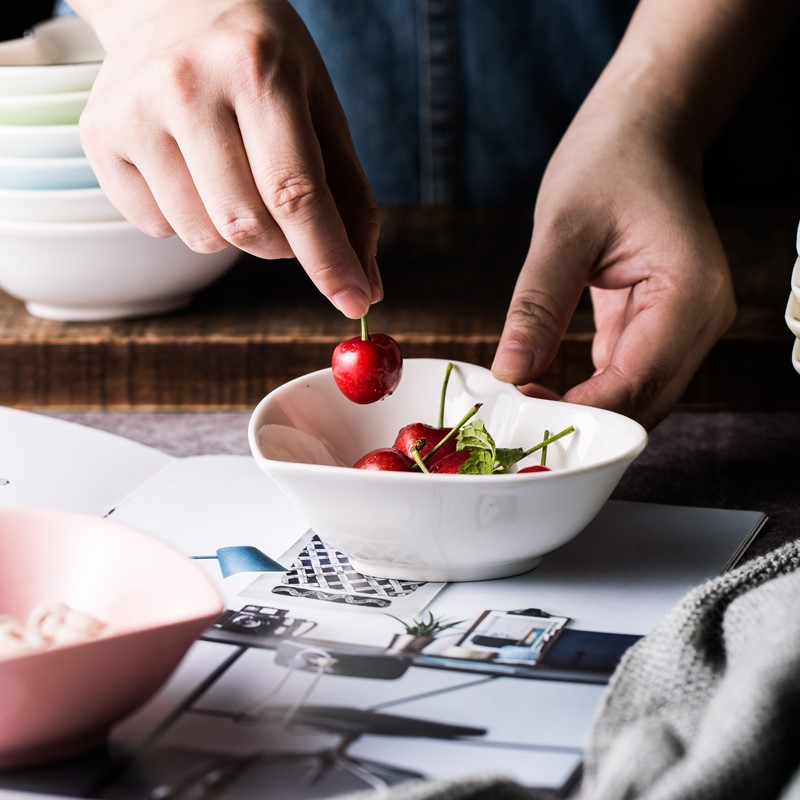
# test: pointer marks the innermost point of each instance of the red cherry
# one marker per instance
(385, 458)
(534, 468)
(450, 464)
(411, 434)
(367, 368)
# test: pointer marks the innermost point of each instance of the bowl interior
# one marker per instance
(122, 576)
(309, 422)
(155, 601)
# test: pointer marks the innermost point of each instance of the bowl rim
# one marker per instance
(291, 467)
(211, 590)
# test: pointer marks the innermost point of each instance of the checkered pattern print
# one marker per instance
(322, 566)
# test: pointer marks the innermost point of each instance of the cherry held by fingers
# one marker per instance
(367, 368)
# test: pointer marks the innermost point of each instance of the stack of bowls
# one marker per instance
(67, 253)
(793, 308)
(45, 79)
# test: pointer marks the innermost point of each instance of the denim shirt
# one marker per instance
(462, 102)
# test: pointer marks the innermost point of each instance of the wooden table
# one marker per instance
(448, 279)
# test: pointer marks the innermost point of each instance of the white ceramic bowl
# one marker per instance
(101, 270)
(796, 355)
(40, 141)
(59, 55)
(155, 601)
(796, 279)
(57, 205)
(306, 434)
(71, 172)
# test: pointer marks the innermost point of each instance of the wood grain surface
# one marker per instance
(448, 278)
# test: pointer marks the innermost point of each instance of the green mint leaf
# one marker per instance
(474, 436)
(480, 462)
(506, 456)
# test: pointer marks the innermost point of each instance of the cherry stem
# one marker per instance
(447, 372)
(453, 431)
(547, 441)
(543, 460)
(416, 456)
(364, 329)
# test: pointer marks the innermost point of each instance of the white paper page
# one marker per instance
(50, 463)
(621, 574)
(202, 503)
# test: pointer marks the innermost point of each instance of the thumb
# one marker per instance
(545, 296)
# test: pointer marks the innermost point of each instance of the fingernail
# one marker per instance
(513, 361)
(352, 303)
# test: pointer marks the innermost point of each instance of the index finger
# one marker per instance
(287, 165)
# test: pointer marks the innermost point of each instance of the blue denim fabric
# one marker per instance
(461, 102)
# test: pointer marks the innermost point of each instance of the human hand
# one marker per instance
(217, 120)
(621, 209)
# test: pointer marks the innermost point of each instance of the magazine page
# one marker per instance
(318, 680)
(50, 463)
(310, 685)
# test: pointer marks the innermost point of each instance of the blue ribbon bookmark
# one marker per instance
(243, 558)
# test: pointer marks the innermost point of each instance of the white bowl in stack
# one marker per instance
(67, 252)
(101, 270)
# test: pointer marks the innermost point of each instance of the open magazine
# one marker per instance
(310, 684)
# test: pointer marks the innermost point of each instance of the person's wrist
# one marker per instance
(636, 104)
(113, 20)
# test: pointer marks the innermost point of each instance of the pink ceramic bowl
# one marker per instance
(156, 601)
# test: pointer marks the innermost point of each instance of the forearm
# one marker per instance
(683, 65)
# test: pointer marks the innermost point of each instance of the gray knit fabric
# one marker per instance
(706, 707)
